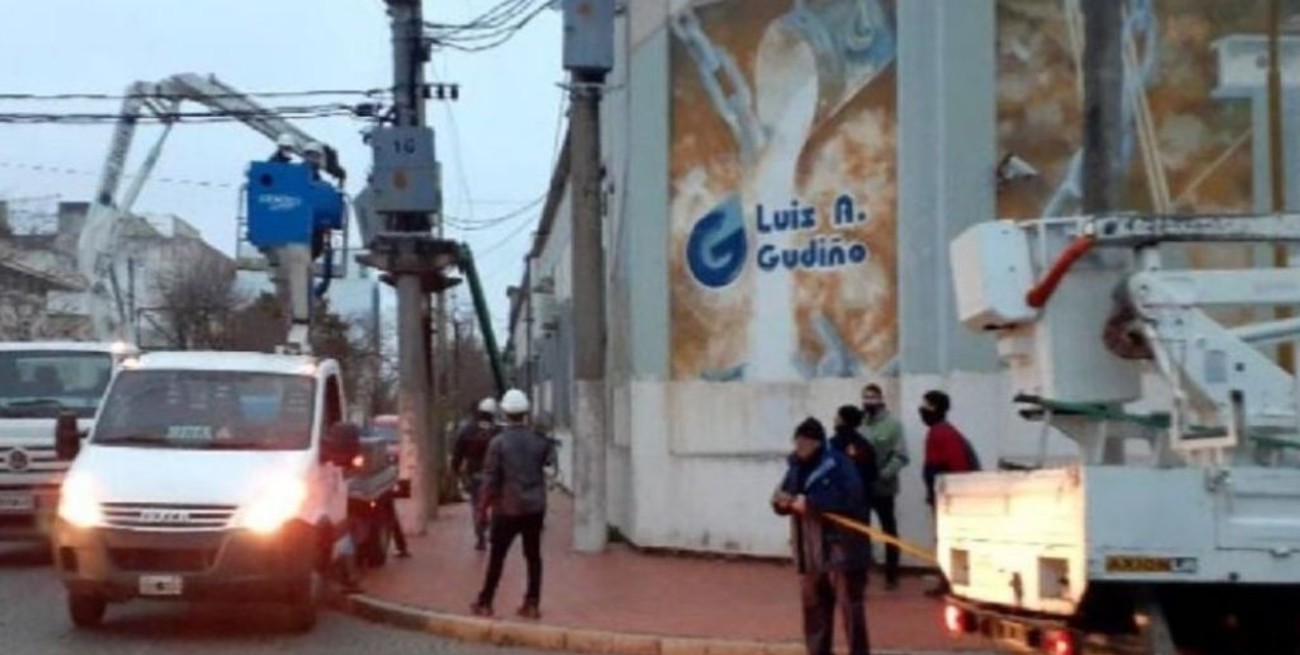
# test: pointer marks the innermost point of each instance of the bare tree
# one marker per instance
(196, 304)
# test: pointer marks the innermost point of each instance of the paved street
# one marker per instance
(33, 622)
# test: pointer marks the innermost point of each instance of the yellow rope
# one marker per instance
(862, 528)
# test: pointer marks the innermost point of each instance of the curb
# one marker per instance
(556, 638)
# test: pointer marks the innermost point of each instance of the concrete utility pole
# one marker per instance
(1103, 97)
(404, 191)
(588, 56)
(1103, 93)
(1277, 159)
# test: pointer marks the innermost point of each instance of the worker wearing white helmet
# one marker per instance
(314, 154)
(284, 147)
(515, 487)
(467, 461)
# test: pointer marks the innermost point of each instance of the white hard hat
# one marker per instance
(488, 406)
(514, 402)
(314, 148)
(286, 141)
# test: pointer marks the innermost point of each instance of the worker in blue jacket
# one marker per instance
(832, 561)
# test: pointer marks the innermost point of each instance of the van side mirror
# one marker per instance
(341, 444)
(67, 437)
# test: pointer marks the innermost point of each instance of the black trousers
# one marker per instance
(390, 511)
(504, 531)
(821, 592)
(883, 507)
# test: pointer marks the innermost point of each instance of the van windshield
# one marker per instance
(45, 383)
(217, 410)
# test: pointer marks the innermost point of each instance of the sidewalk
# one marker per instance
(623, 591)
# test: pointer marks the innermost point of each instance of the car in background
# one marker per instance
(385, 427)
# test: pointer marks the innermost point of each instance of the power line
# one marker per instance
(504, 240)
(494, 37)
(470, 225)
(494, 18)
(65, 170)
(192, 118)
(177, 96)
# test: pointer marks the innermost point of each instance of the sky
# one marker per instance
(497, 143)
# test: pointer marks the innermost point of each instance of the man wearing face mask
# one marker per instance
(832, 561)
(886, 435)
(947, 451)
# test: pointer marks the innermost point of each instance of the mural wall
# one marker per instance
(782, 189)
(784, 149)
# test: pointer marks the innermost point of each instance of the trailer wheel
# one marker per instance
(86, 610)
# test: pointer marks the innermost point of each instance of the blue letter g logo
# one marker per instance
(715, 251)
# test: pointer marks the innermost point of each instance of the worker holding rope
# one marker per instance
(831, 559)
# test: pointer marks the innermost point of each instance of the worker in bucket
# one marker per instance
(885, 434)
(515, 488)
(832, 561)
(314, 155)
(467, 460)
(947, 452)
(284, 147)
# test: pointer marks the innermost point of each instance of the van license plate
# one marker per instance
(160, 585)
(17, 502)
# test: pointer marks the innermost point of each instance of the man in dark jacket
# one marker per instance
(848, 441)
(832, 561)
(514, 482)
(467, 461)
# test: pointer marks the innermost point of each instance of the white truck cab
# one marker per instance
(209, 475)
(40, 381)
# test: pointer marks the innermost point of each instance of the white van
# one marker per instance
(212, 475)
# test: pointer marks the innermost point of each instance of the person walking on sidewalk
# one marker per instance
(467, 461)
(832, 561)
(515, 487)
(886, 434)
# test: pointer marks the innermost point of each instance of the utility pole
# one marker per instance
(1103, 97)
(1277, 165)
(1103, 93)
(404, 191)
(588, 56)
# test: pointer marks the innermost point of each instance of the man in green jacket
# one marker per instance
(886, 436)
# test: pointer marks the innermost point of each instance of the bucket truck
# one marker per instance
(221, 475)
(1179, 525)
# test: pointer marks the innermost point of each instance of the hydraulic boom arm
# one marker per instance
(96, 244)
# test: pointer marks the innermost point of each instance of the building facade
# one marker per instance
(782, 181)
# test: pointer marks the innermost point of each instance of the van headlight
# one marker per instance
(78, 503)
(274, 506)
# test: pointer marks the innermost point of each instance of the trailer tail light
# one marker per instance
(957, 620)
(1060, 642)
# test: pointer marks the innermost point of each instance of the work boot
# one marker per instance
(479, 608)
(529, 610)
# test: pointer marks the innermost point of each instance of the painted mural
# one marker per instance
(1185, 150)
(783, 169)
